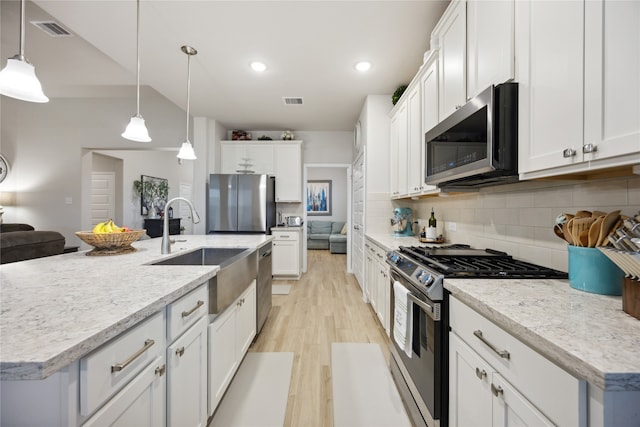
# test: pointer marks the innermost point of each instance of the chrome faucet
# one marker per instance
(166, 241)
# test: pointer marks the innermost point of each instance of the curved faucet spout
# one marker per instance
(166, 241)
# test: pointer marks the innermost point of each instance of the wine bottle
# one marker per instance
(432, 234)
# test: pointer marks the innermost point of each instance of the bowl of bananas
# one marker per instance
(107, 238)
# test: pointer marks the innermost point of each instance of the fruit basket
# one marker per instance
(110, 243)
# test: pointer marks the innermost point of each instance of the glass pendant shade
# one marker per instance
(136, 130)
(18, 80)
(186, 151)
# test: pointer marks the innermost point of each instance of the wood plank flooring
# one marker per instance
(324, 306)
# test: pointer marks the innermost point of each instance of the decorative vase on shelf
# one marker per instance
(153, 212)
(287, 135)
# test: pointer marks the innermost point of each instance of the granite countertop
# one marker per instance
(586, 334)
(57, 309)
(391, 242)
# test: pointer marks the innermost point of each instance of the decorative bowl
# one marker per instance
(110, 243)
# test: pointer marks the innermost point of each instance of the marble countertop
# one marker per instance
(57, 309)
(390, 242)
(586, 334)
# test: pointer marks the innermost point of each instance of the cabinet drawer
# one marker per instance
(186, 311)
(558, 394)
(285, 236)
(112, 366)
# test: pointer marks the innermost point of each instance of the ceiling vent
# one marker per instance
(292, 100)
(52, 28)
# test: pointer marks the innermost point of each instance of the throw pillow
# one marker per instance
(344, 229)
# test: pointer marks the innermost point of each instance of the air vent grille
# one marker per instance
(292, 100)
(52, 28)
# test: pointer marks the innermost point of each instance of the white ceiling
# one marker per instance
(310, 48)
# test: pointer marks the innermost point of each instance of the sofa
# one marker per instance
(19, 242)
(330, 235)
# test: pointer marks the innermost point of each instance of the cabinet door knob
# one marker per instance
(180, 351)
(481, 373)
(160, 370)
(497, 391)
(589, 148)
(458, 107)
(568, 152)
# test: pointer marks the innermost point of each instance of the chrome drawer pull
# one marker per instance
(502, 353)
(190, 312)
(120, 366)
(481, 373)
(569, 152)
(180, 351)
(589, 148)
(497, 391)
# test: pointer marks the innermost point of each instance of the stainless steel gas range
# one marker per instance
(420, 318)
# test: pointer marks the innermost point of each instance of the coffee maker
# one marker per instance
(401, 222)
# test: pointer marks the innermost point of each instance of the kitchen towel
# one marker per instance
(402, 318)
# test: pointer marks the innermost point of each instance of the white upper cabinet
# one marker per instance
(450, 35)
(288, 171)
(585, 114)
(612, 79)
(415, 137)
(429, 80)
(490, 44)
(238, 156)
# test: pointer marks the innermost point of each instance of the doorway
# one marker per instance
(341, 181)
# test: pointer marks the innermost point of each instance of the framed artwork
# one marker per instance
(154, 195)
(319, 197)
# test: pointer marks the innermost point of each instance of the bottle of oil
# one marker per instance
(432, 234)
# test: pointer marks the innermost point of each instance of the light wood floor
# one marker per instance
(323, 307)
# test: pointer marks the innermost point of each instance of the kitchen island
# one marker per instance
(60, 314)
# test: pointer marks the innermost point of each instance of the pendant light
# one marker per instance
(136, 130)
(186, 150)
(18, 78)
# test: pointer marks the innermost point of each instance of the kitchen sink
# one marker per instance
(238, 268)
(207, 256)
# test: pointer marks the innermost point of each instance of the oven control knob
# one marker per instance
(424, 278)
(395, 258)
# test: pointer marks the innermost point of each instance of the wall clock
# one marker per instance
(4, 168)
(357, 137)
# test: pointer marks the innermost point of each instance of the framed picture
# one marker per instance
(319, 197)
(154, 195)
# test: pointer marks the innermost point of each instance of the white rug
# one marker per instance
(280, 289)
(258, 394)
(364, 394)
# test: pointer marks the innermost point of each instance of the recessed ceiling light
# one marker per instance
(258, 66)
(363, 66)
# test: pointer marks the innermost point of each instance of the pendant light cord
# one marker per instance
(188, 90)
(22, 30)
(138, 58)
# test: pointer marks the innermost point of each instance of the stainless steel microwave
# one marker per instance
(477, 145)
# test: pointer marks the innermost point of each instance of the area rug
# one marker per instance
(364, 393)
(258, 393)
(280, 289)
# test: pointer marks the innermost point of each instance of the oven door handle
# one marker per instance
(432, 310)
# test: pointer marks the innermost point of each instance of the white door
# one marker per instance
(184, 212)
(103, 197)
(357, 219)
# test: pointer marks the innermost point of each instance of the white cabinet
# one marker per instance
(288, 171)
(140, 403)
(524, 387)
(286, 252)
(398, 148)
(239, 156)
(490, 44)
(377, 286)
(394, 127)
(415, 139)
(580, 117)
(450, 37)
(281, 159)
(187, 360)
(230, 336)
(430, 98)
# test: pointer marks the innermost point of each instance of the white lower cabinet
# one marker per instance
(286, 253)
(230, 336)
(378, 287)
(187, 378)
(140, 403)
(496, 380)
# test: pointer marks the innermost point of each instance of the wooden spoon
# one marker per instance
(567, 229)
(581, 225)
(558, 230)
(582, 214)
(594, 232)
(606, 226)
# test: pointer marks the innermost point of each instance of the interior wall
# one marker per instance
(338, 179)
(44, 144)
(519, 218)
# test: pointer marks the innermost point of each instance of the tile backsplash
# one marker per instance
(519, 218)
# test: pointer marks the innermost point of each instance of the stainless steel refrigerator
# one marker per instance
(241, 203)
